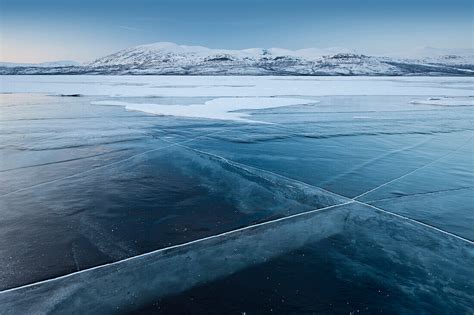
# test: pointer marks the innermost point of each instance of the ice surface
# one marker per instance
(97, 210)
(446, 101)
(421, 260)
(219, 108)
(232, 86)
(84, 185)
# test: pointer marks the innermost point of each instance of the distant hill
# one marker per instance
(172, 59)
(50, 64)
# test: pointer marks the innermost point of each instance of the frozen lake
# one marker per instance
(98, 169)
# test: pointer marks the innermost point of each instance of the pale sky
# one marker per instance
(82, 30)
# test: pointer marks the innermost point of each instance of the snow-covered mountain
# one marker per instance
(170, 58)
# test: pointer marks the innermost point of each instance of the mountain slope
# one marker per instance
(170, 58)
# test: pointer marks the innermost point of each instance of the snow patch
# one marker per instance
(219, 108)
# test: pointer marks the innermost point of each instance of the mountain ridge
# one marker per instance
(166, 58)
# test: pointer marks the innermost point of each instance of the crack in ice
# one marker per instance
(244, 167)
(249, 227)
(375, 159)
(417, 222)
(415, 170)
(102, 166)
(62, 161)
(354, 199)
(421, 194)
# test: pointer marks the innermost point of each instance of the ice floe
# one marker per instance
(227, 108)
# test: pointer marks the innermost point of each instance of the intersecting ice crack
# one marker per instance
(351, 200)
(246, 167)
(415, 170)
(248, 227)
(380, 157)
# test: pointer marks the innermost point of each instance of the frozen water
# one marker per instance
(131, 198)
(352, 157)
(446, 101)
(366, 268)
(219, 108)
(406, 265)
(232, 86)
(83, 185)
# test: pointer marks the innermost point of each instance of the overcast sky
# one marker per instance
(82, 30)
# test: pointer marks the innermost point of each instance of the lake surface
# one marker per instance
(86, 182)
